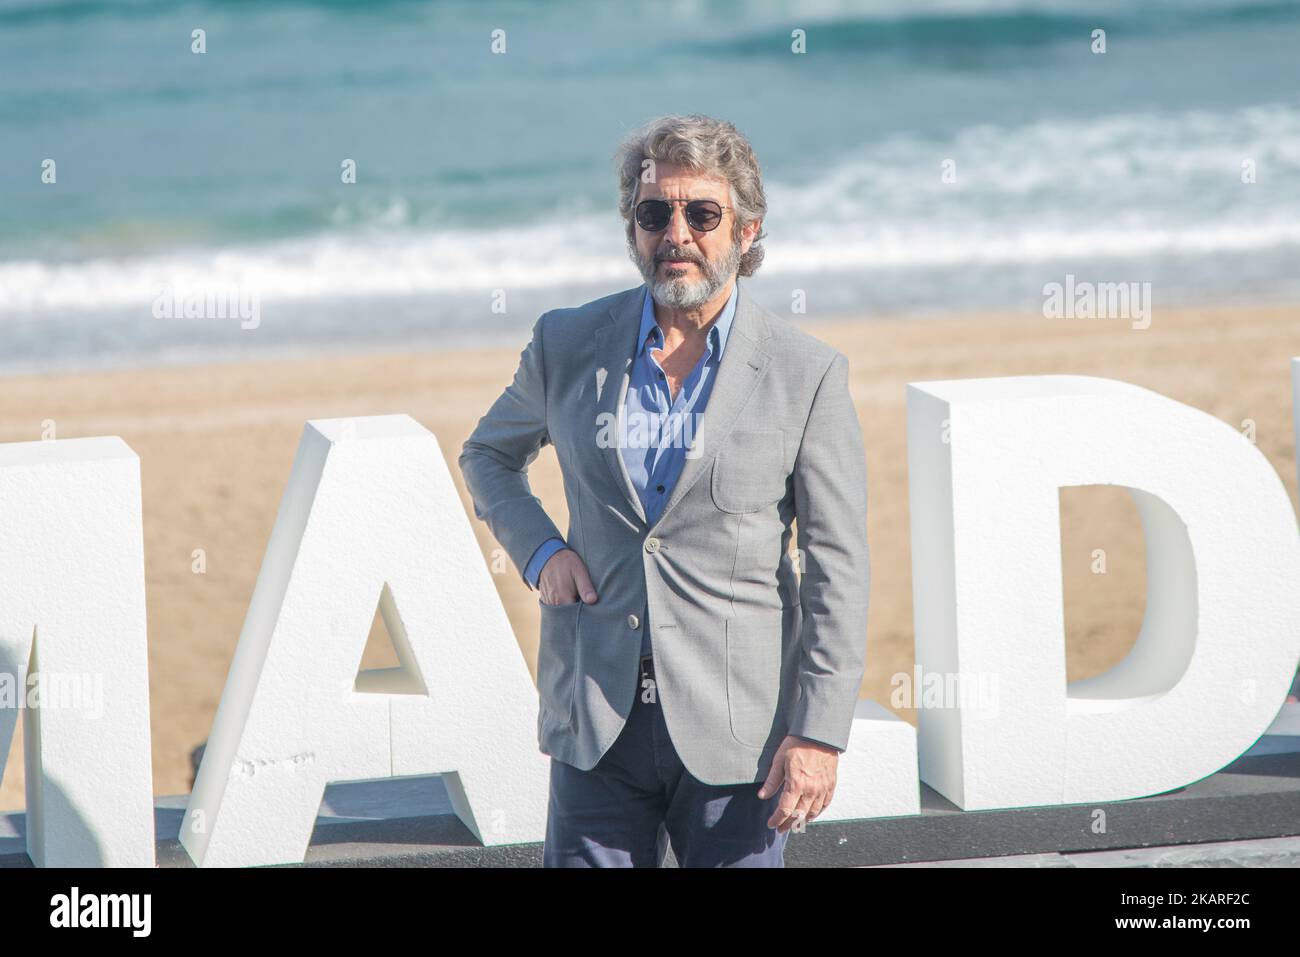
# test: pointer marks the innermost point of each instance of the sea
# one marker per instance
(920, 158)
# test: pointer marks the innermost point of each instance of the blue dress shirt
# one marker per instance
(654, 455)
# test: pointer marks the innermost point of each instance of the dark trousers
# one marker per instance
(639, 796)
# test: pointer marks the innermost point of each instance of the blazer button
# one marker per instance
(633, 621)
(652, 544)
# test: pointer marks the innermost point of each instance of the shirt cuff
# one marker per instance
(544, 552)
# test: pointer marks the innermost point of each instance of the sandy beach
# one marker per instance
(216, 443)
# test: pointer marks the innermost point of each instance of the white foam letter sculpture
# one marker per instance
(877, 775)
(72, 610)
(1221, 635)
(370, 510)
(1295, 410)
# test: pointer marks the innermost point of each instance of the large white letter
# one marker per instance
(1295, 410)
(1221, 636)
(370, 516)
(72, 611)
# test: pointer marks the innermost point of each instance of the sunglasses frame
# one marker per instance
(636, 213)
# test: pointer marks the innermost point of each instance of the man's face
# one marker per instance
(686, 267)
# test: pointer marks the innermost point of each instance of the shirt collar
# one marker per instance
(718, 332)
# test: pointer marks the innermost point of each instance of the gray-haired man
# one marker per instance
(693, 688)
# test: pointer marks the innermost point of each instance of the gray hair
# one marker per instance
(710, 147)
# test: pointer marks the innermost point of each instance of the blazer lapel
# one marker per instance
(743, 365)
(615, 347)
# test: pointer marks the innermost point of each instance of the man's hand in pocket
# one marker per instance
(564, 577)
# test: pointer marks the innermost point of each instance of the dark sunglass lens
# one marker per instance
(703, 214)
(653, 214)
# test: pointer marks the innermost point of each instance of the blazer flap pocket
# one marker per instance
(754, 674)
(557, 656)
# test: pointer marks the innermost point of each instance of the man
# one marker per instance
(681, 663)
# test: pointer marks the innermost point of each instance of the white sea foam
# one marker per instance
(1116, 186)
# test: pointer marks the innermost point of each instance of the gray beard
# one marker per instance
(683, 293)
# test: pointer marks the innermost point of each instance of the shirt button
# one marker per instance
(659, 488)
(633, 621)
(652, 545)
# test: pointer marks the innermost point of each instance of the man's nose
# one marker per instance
(678, 231)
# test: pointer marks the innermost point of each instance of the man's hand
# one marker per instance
(808, 770)
(563, 578)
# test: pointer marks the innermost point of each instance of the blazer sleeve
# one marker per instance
(495, 458)
(830, 488)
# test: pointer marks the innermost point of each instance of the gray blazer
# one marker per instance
(746, 651)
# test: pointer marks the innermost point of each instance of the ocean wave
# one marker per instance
(843, 24)
(978, 28)
(334, 267)
(1136, 185)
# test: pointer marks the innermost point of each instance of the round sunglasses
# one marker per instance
(704, 215)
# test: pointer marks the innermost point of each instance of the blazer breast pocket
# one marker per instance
(749, 471)
(557, 664)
